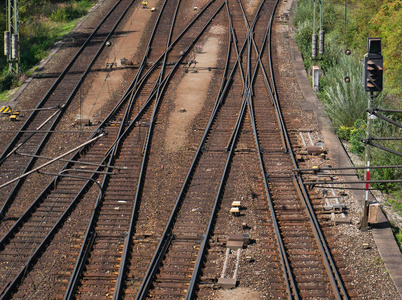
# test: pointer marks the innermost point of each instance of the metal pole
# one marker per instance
(17, 32)
(365, 203)
(9, 29)
(346, 11)
(13, 56)
(320, 14)
(314, 18)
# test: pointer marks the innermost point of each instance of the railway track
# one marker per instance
(136, 242)
(40, 124)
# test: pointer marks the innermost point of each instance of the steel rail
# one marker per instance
(201, 254)
(326, 255)
(12, 286)
(156, 259)
(78, 153)
(268, 84)
(233, 33)
(142, 80)
(18, 185)
(152, 269)
(138, 81)
(55, 84)
(51, 185)
(287, 271)
(160, 91)
(87, 245)
(249, 31)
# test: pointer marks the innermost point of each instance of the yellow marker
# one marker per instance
(5, 109)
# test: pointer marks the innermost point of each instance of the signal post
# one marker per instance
(372, 82)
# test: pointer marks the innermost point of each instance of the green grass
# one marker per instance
(346, 103)
(4, 96)
(42, 25)
(397, 235)
(396, 205)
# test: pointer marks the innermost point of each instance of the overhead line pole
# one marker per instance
(12, 37)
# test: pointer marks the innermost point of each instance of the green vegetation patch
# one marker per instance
(42, 23)
(398, 235)
(346, 101)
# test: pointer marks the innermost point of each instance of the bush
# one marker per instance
(357, 133)
(345, 102)
(68, 13)
(344, 133)
(7, 81)
(303, 34)
(38, 30)
(381, 157)
(303, 21)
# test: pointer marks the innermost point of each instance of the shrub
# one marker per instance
(68, 13)
(303, 34)
(7, 81)
(344, 133)
(357, 133)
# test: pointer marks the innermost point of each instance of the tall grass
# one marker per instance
(345, 102)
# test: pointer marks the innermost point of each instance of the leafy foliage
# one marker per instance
(67, 13)
(365, 18)
(42, 23)
(380, 18)
(346, 103)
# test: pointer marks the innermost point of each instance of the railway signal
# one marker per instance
(373, 69)
(373, 66)
(372, 82)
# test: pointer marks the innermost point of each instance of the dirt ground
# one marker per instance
(240, 293)
(191, 93)
(106, 83)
